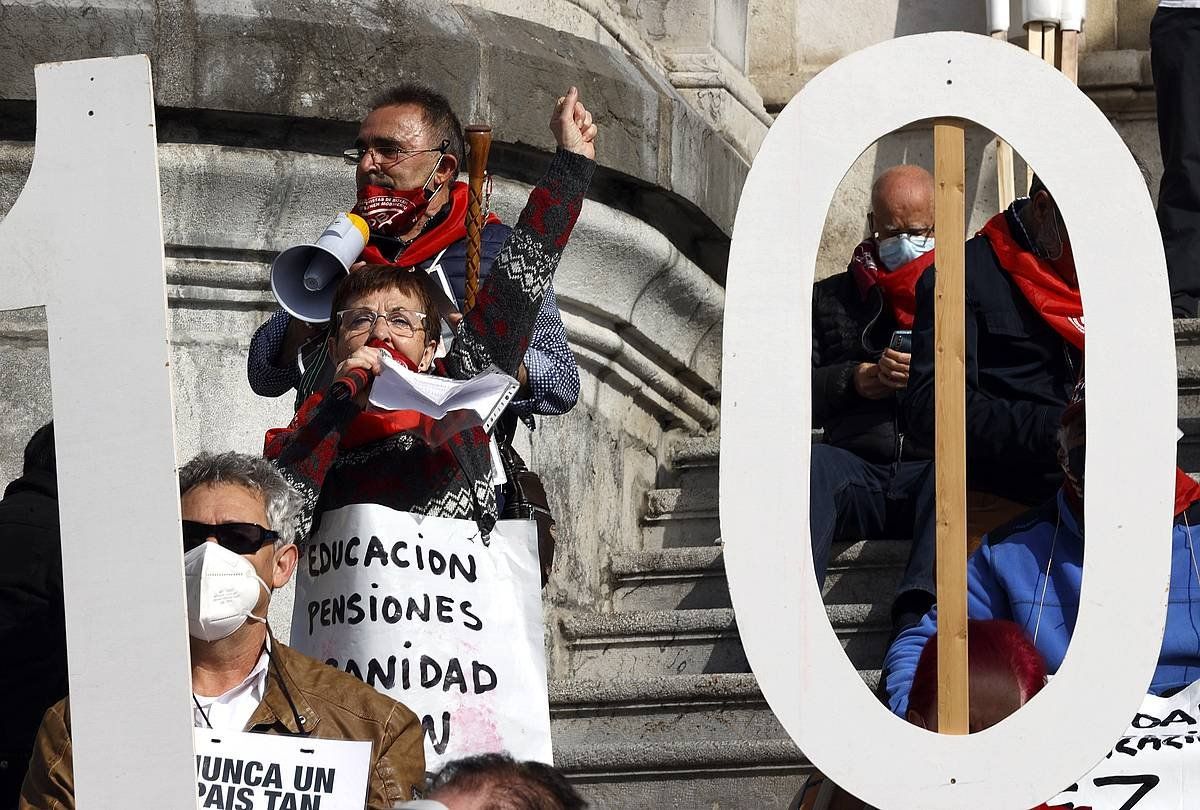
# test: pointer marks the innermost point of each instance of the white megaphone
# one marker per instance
(304, 277)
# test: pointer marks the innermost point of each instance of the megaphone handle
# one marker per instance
(349, 384)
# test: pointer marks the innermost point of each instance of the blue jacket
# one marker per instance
(1005, 578)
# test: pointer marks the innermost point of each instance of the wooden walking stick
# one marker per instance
(479, 139)
(950, 456)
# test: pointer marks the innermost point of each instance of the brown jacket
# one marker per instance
(329, 704)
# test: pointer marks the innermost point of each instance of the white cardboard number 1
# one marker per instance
(85, 240)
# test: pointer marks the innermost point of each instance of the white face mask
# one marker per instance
(897, 251)
(222, 591)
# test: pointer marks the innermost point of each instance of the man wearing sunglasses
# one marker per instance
(407, 155)
(239, 518)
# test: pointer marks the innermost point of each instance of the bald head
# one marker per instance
(902, 200)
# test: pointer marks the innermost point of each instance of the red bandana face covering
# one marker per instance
(390, 211)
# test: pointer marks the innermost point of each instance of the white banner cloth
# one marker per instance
(1155, 766)
(240, 771)
(422, 610)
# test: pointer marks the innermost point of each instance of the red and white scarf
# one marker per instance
(899, 286)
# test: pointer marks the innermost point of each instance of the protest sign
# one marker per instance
(422, 610)
(241, 771)
(1154, 766)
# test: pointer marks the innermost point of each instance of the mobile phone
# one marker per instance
(901, 341)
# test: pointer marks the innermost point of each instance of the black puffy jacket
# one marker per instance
(32, 628)
(1020, 373)
(847, 331)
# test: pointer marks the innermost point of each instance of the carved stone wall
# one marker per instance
(255, 102)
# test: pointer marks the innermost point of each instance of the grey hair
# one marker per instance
(281, 501)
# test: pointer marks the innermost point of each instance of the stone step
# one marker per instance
(686, 773)
(720, 706)
(1187, 342)
(694, 461)
(690, 578)
(680, 516)
(696, 451)
(692, 642)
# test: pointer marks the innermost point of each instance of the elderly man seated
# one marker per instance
(239, 517)
(868, 482)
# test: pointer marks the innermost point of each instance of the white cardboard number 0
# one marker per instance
(805, 676)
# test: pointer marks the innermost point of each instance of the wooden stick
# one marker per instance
(479, 139)
(1049, 44)
(1006, 183)
(950, 434)
(1037, 33)
(1068, 55)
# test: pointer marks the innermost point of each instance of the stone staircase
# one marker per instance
(659, 709)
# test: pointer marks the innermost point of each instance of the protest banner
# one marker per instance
(242, 771)
(1154, 766)
(421, 609)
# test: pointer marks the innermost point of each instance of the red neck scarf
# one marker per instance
(1056, 301)
(1187, 492)
(899, 286)
(452, 228)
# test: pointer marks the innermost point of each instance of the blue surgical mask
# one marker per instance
(897, 251)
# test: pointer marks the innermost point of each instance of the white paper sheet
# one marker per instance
(485, 395)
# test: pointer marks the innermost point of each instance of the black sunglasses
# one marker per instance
(240, 538)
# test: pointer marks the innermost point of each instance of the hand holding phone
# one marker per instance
(901, 341)
(893, 365)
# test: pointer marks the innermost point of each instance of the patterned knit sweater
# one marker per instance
(401, 471)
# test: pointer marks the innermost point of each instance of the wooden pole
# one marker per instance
(479, 139)
(1068, 55)
(1037, 33)
(1006, 183)
(951, 424)
(1050, 44)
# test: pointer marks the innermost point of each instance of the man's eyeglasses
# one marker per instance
(389, 155)
(402, 322)
(240, 538)
(915, 233)
(885, 233)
